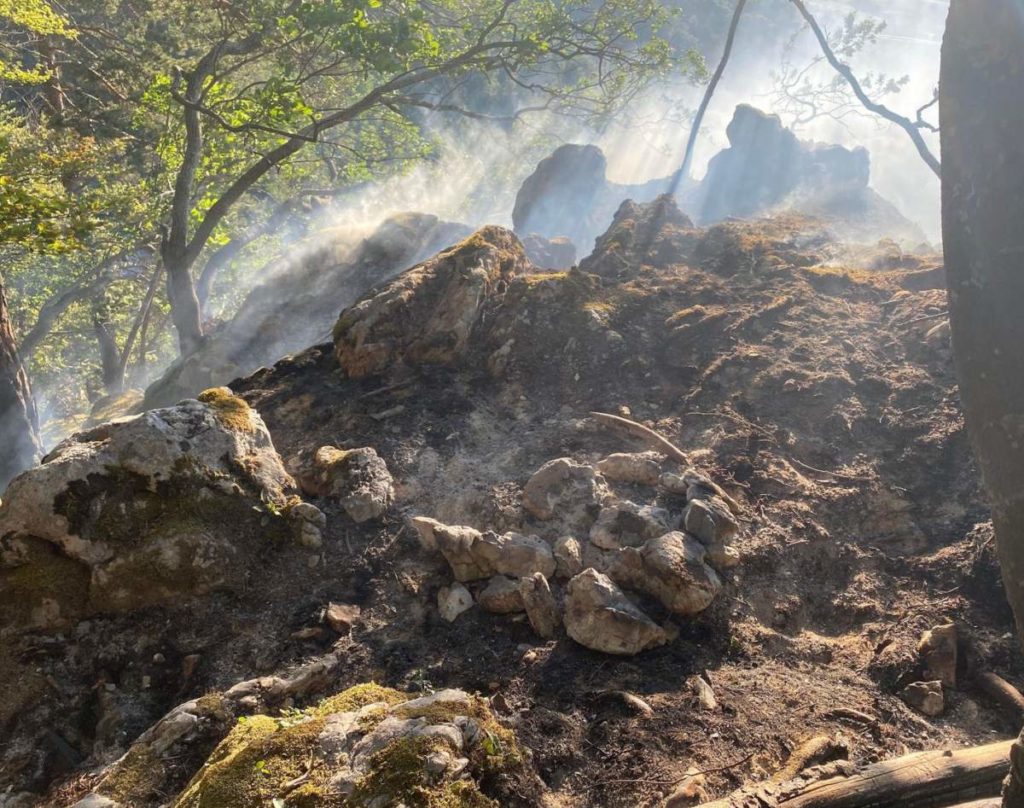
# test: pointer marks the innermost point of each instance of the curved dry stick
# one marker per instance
(649, 436)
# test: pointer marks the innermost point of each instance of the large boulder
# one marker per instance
(299, 300)
(366, 746)
(428, 314)
(141, 511)
(598, 615)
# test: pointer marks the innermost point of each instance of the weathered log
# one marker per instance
(921, 779)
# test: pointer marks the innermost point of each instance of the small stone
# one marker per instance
(705, 694)
(310, 536)
(938, 650)
(308, 512)
(568, 557)
(540, 605)
(691, 791)
(159, 659)
(453, 600)
(342, 616)
(640, 468)
(721, 557)
(501, 596)
(672, 569)
(710, 520)
(925, 697)
(358, 478)
(308, 633)
(437, 763)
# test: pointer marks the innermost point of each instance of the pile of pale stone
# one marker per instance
(602, 546)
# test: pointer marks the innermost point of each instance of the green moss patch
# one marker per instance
(232, 411)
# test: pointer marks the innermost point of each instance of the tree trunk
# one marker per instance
(185, 312)
(19, 423)
(110, 357)
(683, 173)
(981, 110)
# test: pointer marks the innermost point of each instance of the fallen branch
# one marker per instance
(1002, 691)
(913, 781)
(645, 434)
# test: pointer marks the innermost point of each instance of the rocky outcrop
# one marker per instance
(428, 315)
(651, 235)
(133, 513)
(367, 745)
(300, 300)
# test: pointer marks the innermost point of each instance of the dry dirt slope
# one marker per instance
(820, 396)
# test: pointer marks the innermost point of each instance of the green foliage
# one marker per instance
(96, 138)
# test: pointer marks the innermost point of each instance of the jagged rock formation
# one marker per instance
(766, 169)
(296, 306)
(429, 314)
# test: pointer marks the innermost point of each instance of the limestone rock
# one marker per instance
(640, 468)
(453, 600)
(598, 615)
(938, 650)
(925, 697)
(427, 314)
(672, 569)
(626, 524)
(540, 605)
(562, 487)
(341, 617)
(568, 557)
(358, 478)
(515, 554)
(501, 596)
(710, 520)
(456, 543)
(721, 557)
(141, 511)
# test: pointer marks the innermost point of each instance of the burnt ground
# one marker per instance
(810, 382)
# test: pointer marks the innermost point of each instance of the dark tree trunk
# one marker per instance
(110, 357)
(185, 311)
(19, 423)
(982, 122)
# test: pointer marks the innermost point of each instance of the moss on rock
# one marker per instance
(232, 411)
(287, 761)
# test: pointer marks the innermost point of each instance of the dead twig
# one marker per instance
(921, 319)
(837, 474)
